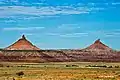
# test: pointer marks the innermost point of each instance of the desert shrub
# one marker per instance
(5, 72)
(20, 73)
(13, 78)
(84, 77)
(104, 66)
(72, 66)
(89, 65)
(116, 66)
(109, 66)
(75, 66)
(97, 77)
(1, 65)
(68, 65)
(113, 71)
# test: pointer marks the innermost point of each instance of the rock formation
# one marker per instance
(98, 46)
(1, 53)
(24, 51)
(22, 44)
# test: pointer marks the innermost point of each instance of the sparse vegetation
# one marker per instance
(116, 66)
(104, 66)
(60, 71)
(20, 73)
(1, 65)
(110, 67)
(72, 66)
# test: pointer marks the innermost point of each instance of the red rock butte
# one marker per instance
(98, 45)
(22, 44)
(1, 53)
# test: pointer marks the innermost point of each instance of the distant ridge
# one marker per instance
(98, 45)
(24, 51)
(22, 44)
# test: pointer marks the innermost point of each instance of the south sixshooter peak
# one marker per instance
(98, 45)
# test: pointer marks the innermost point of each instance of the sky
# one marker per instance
(59, 24)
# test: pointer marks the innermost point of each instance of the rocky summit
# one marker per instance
(22, 44)
(98, 46)
(25, 51)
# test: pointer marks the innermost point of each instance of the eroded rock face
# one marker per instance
(24, 51)
(60, 56)
(22, 44)
(98, 46)
(1, 54)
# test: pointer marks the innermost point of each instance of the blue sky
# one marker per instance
(60, 23)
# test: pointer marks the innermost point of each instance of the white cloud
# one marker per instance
(63, 25)
(10, 21)
(68, 34)
(22, 28)
(15, 18)
(44, 10)
(113, 33)
(109, 35)
(116, 3)
(72, 35)
(105, 33)
(69, 26)
(53, 34)
(28, 34)
(37, 17)
(2, 3)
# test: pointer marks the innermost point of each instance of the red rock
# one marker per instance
(1, 53)
(98, 45)
(22, 44)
